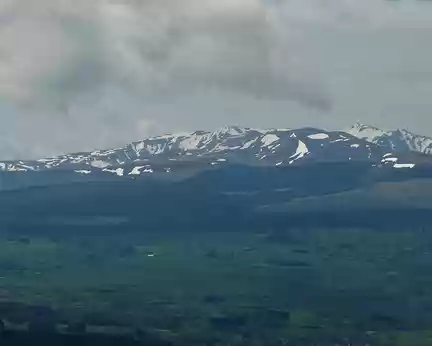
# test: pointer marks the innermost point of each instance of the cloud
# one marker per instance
(58, 52)
(82, 74)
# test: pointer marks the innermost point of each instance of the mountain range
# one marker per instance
(234, 177)
(241, 145)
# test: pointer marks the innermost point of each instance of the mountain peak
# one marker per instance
(400, 140)
(361, 127)
(231, 130)
(365, 131)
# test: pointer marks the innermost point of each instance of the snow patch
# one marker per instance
(390, 159)
(269, 139)
(248, 144)
(17, 169)
(118, 171)
(230, 131)
(404, 165)
(136, 170)
(99, 164)
(221, 147)
(366, 132)
(301, 151)
(139, 146)
(83, 171)
(194, 141)
(155, 148)
(355, 145)
(28, 167)
(319, 136)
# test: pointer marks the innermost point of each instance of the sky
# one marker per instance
(79, 75)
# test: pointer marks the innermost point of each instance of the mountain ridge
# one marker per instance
(399, 140)
(241, 145)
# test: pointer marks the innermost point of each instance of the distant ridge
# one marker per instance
(240, 145)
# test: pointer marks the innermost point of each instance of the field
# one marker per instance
(261, 287)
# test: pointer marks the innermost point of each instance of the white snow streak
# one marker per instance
(248, 144)
(390, 159)
(301, 151)
(404, 165)
(83, 171)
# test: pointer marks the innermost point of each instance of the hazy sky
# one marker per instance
(81, 74)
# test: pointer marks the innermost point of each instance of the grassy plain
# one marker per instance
(261, 287)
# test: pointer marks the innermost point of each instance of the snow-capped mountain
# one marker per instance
(239, 145)
(397, 141)
(229, 144)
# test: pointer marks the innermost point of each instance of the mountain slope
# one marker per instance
(274, 147)
(231, 198)
(394, 141)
